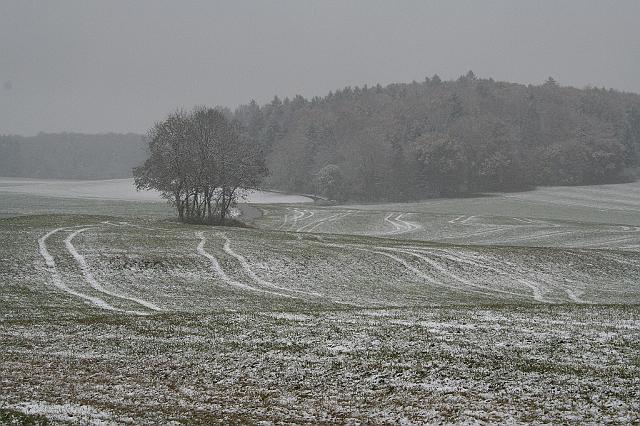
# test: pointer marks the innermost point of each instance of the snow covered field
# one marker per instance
(117, 189)
(385, 313)
(605, 216)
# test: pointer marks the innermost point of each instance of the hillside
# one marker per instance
(401, 142)
(434, 138)
(475, 307)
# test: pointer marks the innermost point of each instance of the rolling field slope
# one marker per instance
(392, 313)
(606, 217)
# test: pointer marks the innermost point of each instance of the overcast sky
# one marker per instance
(100, 66)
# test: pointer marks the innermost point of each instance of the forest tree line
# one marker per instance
(398, 142)
(443, 138)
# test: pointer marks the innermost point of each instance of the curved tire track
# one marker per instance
(56, 279)
(90, 279)
(247, 269)
(217, 268)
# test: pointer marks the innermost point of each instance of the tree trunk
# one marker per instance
(223, 208)
(180, 207)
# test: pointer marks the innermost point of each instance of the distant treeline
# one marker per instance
(71, 155)
(399, 142)
(435, 138)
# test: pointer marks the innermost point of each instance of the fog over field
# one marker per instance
(98, 67)
(119, 189)
(362, 212)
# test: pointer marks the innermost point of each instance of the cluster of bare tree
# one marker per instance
(200, 161)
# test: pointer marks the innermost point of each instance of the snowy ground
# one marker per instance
(338, 314)
(117, 189)
(581, 217)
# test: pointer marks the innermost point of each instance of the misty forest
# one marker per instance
(396, 143)
(434, 138)
(185, 240)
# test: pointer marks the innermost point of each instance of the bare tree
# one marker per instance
(167, 168)
(199, 161)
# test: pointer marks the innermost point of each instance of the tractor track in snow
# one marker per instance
(332, 218)
(470, 286)
(385, 251)
(496, 228)
(524, 220)
(411, 226)
(396, 226)
(249, 271)
(489, 291)
(59, 283)
(379, 251)
(456, 219)
(300, 215)
(400, 226)
(217, 268)
(607, 243)
(57, 280)
(538, 289)
(527, 238)
(90, 278)
(284, 220)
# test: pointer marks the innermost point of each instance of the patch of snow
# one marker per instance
(122, 189)
(71, 413)
(290, 317)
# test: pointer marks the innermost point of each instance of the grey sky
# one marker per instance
(100, 66)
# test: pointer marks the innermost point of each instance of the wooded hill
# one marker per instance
(71, 155)
(435, 138)
(399, 142)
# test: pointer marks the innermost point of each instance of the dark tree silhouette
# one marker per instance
(200, 161)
